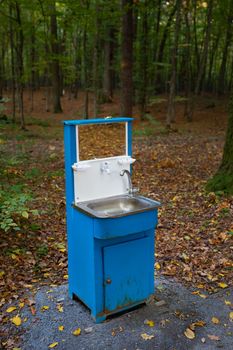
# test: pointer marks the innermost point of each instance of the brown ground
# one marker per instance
(195, 232)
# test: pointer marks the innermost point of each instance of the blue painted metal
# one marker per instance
(98, 121)
(110, 261)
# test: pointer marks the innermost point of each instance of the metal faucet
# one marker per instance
(131, 190)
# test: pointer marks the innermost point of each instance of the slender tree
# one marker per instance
(203, 58)
(127, 59)
(20, 65)
(55, 69)
(171, 106)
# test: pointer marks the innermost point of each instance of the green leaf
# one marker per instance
(25, 214)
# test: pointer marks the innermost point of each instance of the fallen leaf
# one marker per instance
(65, 277)
(160, 303)
(10, 309)
(203, 340)
(215, 320)
(59, 307)
(231, 315)
(149, 323)
(199, 323)
(16, 320)
(53, 345)
(202, 296)
(21, 305)
(61, 328)
(25, 214)
(88, 330)
(222, 285)
(189, 333)
(213, 337)
(45, 307)
(33, 310)
(77, 331)
(157, 266)
(31, 302)
(146, 336)
(227, 302)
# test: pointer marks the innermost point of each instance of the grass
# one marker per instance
(151, 127)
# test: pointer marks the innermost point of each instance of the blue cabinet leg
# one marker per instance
(99, 318)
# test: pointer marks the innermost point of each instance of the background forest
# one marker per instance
(142, 48)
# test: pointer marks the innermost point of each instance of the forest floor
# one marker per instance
(194, 238)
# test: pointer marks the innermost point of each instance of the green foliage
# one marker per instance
(14, 208)
(152, 127)
(32, 173)
(42, 250)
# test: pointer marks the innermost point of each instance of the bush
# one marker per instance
(14, 209)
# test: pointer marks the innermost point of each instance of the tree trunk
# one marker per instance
(127, 59)
(223, 179)
(96, 62)
(171, 104)
(187, 65)
(12, 62)
(108, 65)
(209, 84)
(19, 51)
(143, 85)
(203, 60)
(55, 69)
(222, 72)
(85, 74)
(160, 52)
(32, 56)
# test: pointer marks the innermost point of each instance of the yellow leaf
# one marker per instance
(60, 307)
(65, 277)
(189, 333)
(202, 296)
(16, 320)
(2, 273)
(215, 320)
(21, 305)
(77, 331)
(61, 328)
(53, 345)
(222, 285)
(199, 323)
(227, 302)
(146, 336)
(16, 349)
(10, 309)
(231, 315)
(45, 307)
(149, 323)
(157, 266)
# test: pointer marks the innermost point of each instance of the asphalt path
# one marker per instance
(174, 309)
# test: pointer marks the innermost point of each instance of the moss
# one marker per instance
(221, 182)
(223, 179)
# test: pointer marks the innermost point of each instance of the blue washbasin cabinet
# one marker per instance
(110, 260)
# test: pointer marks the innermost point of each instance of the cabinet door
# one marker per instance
(128, 273)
